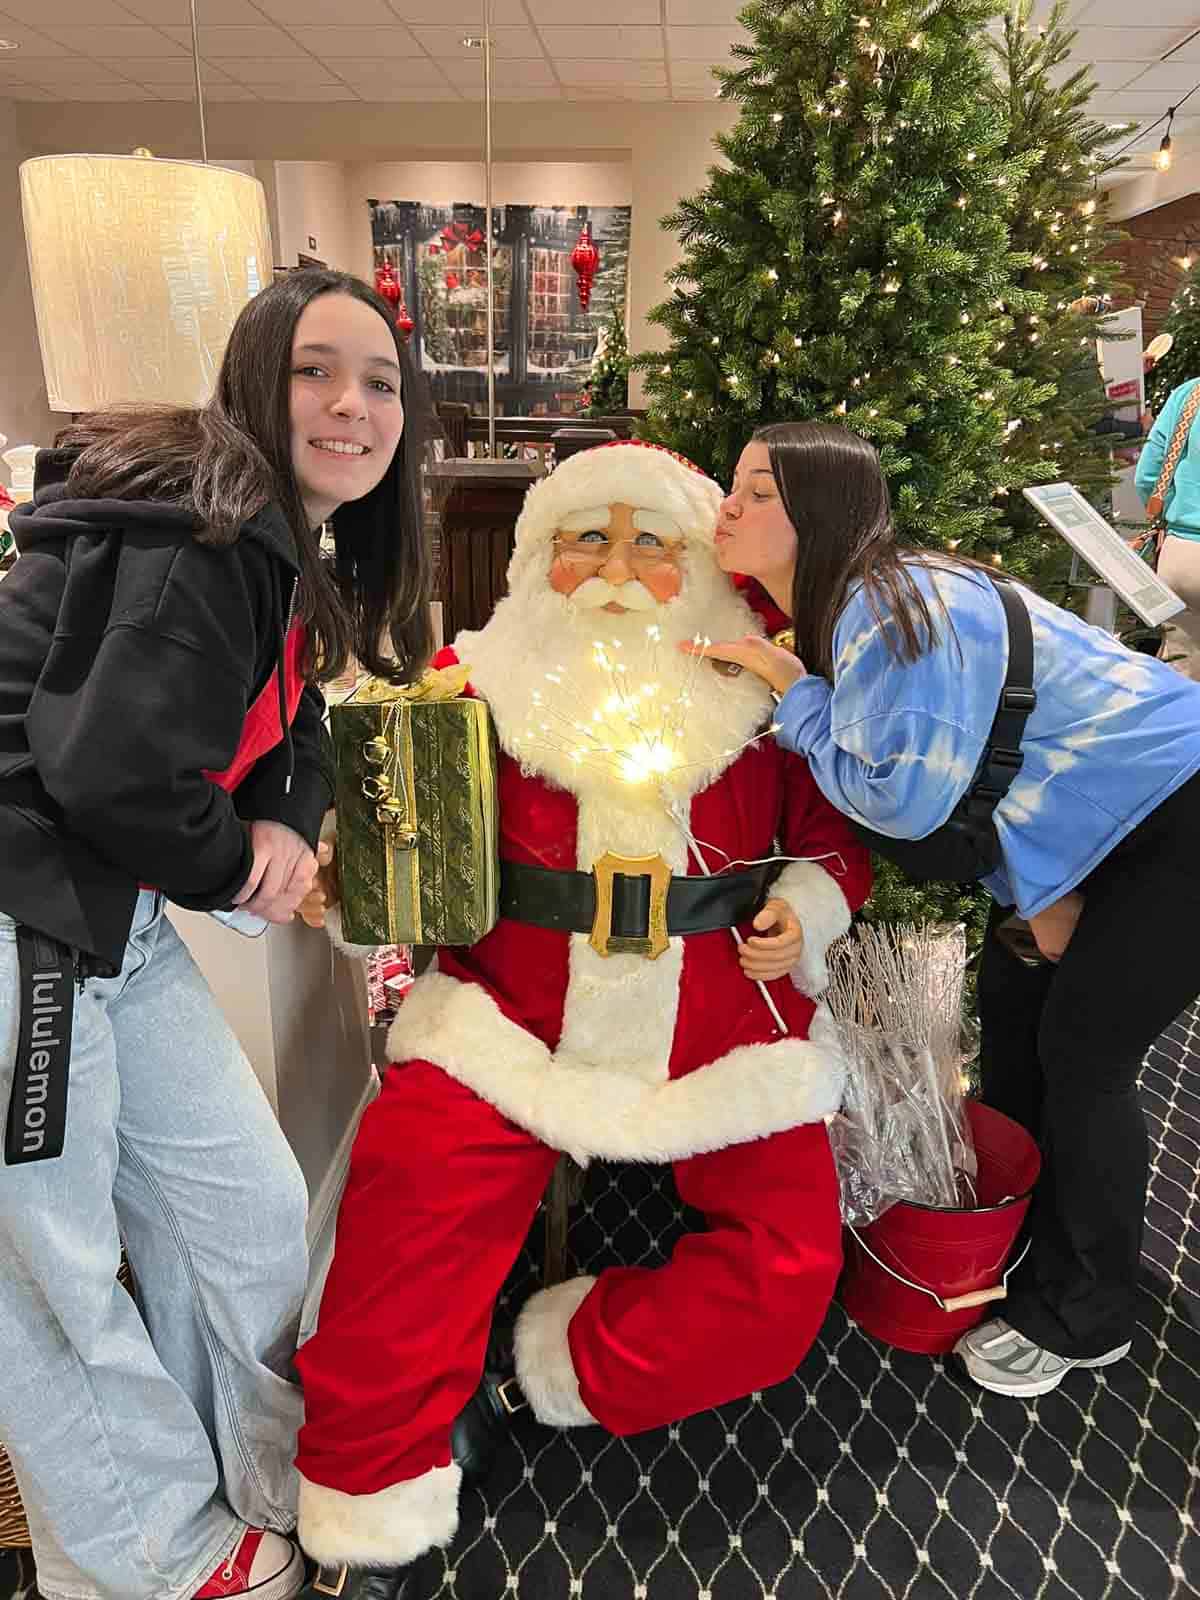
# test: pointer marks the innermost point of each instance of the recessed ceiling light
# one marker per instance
(9, 44)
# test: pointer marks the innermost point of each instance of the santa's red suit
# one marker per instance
(531, 1043)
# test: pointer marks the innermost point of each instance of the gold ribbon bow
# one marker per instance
(436, 683)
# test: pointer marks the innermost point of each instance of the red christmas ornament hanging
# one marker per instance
(403, 321)
(387, 285)
(452, 280)
(585, 258)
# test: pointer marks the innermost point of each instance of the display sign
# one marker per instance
(1101, 546)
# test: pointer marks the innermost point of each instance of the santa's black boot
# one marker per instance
(482, 1424)
(339, 1582)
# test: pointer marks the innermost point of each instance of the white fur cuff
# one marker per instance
(816, 898)
(545, 1370)
(386, 1529)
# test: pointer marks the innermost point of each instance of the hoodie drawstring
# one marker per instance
(281, 632)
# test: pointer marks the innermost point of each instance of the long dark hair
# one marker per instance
(232, 457)
(836, 497)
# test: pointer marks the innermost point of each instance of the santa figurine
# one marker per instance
(670, 883)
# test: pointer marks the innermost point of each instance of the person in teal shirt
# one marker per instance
(889, 693)
(1179, 559)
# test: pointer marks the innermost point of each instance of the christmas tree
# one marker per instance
(1059, 221)
(609, 379)
(1182, 361)
(852, 261)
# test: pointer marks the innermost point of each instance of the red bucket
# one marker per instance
(920, 1276)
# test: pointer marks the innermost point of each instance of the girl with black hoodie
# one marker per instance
(161, 640)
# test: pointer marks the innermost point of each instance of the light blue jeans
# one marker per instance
(139, 1444)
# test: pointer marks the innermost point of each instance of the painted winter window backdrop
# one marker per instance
(545, 341)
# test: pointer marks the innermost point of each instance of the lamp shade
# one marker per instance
(140, 268)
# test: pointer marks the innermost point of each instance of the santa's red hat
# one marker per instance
(629, 472)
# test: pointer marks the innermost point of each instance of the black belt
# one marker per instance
(37, 1106)
(630, 904)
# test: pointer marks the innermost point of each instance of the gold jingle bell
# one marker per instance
(785, 639)
(376, 752)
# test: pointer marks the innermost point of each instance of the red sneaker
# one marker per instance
(262, 1564)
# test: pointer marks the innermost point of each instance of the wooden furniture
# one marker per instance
(480, 502)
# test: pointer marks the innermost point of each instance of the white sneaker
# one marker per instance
(1006, 1362)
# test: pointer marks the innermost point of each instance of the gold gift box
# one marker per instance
(417, 813)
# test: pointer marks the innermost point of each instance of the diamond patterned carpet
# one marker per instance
(872, 1474)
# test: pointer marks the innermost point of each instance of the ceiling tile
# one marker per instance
(613, 73)
(217, 43)
(703, 44)
(467, 71)
(646, 12)
(614, 92)
(218, 93)
(116, 92)
(305, 13)
(604, 43)
(304, 93)
(131, 42)
(332, 43)
(1165, 14)
(207, 11)
(1108, 75)
(90, 12)
(1188, 52)
(28, 91)
(541, 91)
(1169, 77)
(382, 94)
(466, 13)
(61, 69)
(292, 69)
(410, 72)
(695, 13)
(693, 74)
(1127, 44)
(166, 70)
(1128, 104)
(31, 42)
(505, 41)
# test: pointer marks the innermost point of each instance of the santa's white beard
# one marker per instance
(536, 662)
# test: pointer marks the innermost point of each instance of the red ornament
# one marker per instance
(403, 321)
(452, 280)
(585, 258)
(387, 285)
(435, 249)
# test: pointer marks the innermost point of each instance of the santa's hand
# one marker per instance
(775, 666)
(776, 944)
(324, 892)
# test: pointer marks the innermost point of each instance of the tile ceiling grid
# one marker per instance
(545, 49)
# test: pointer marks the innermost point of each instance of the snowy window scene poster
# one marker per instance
(544, 340)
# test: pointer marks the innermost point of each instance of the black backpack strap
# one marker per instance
(1002, 757)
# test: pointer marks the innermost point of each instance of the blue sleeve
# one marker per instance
(876, 748)
(1154, 451)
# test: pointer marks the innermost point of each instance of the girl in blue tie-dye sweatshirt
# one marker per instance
(890, 695)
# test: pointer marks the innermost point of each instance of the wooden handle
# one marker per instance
(977, 1297)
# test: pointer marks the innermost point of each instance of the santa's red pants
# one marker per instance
(441, 1194)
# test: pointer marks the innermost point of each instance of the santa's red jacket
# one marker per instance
(627, 1058)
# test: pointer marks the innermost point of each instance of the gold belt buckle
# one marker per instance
(602, 939)
(330, 1579)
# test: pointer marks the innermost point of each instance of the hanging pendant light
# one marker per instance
(139, 269)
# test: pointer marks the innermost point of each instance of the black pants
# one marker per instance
(1061, 1050)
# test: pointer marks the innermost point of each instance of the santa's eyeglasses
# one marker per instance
(595, 550)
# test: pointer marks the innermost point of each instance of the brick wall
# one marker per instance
(1148, 257)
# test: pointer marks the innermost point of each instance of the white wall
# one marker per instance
(312, 205)
(24, 414)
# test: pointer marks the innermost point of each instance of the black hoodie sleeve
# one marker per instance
(123, 749)
(263, 794)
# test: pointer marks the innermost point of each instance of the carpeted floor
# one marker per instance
(872, 1475)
